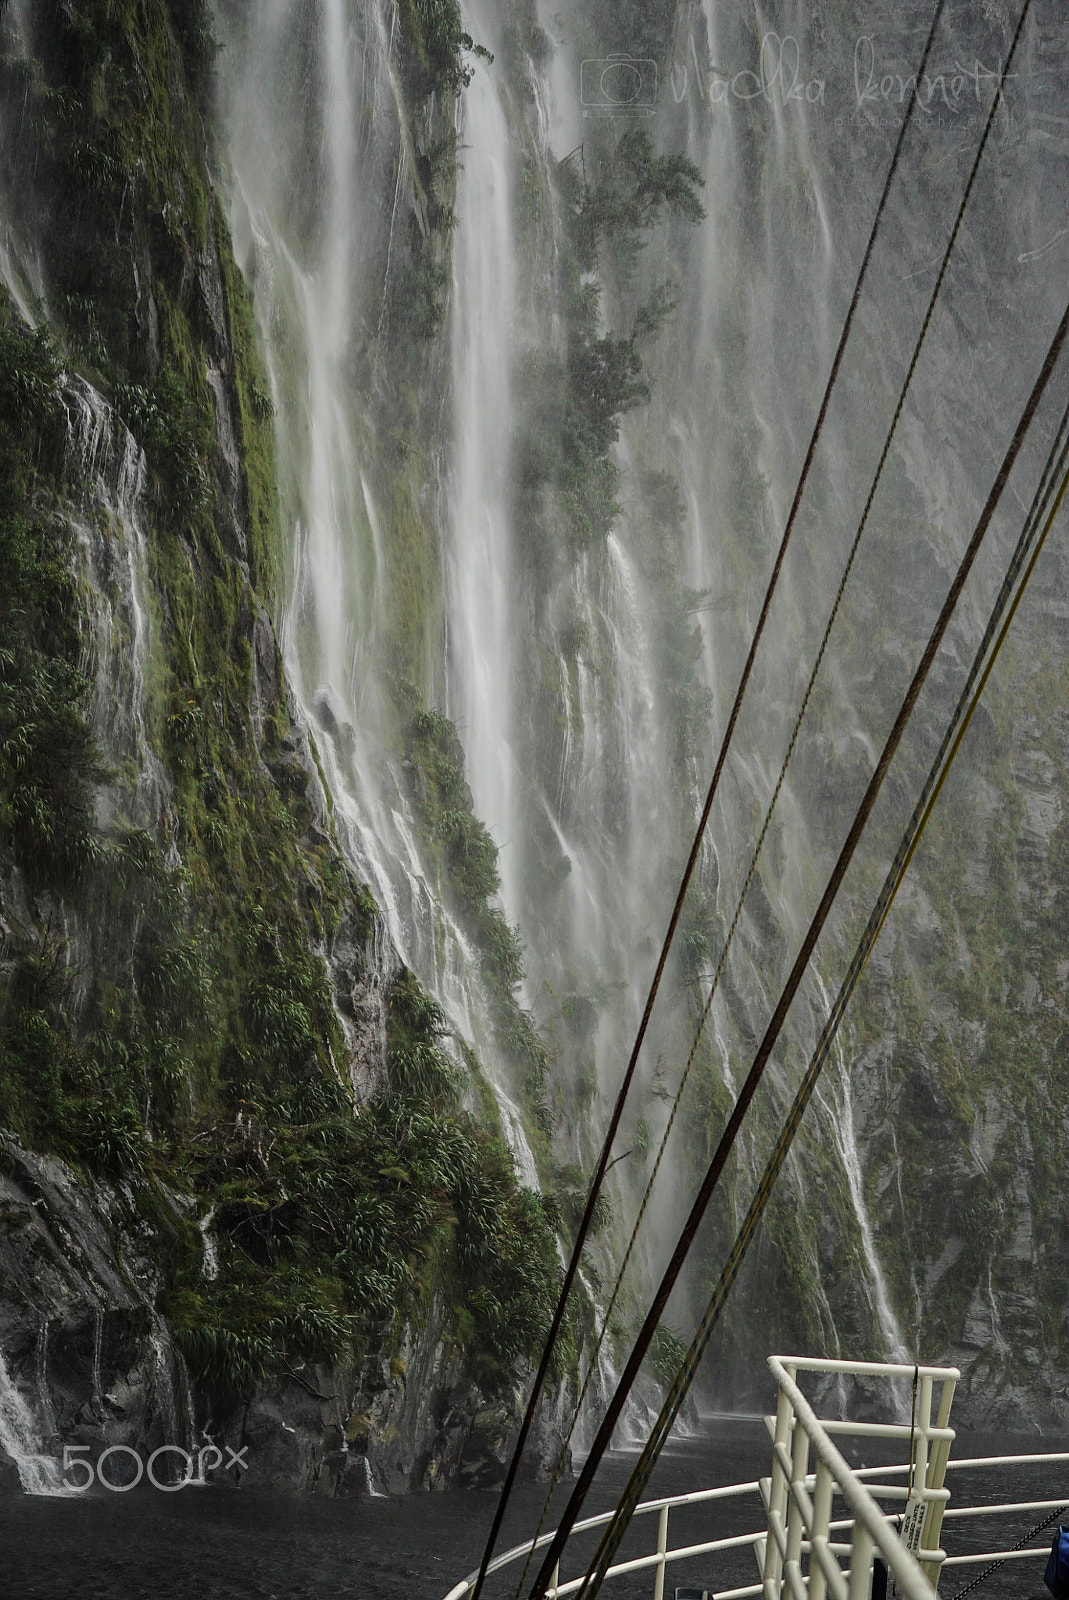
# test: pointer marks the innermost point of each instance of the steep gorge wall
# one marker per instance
(926, 1205)
(208, 1027)
(241, 1190)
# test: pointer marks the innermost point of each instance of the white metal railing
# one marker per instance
(799, 1519)
(659, 1559)
(801, 1552)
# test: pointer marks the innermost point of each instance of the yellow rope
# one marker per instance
(974, 689)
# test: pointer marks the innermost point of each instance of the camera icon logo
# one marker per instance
(618, 86)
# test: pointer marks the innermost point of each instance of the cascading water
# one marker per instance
(322, 270)
(20, 1439)
(754, 315)
(313, 282)
(426, 302)
(103, 456)
(839, 1112)
(481, 584)
(322, 247)
(315, 291)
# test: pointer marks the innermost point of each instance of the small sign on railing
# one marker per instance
(913, 1522)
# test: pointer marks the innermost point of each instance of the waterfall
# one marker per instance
(838, 1108)
(106, 473)
(481, 581)
(209, 1245)
(846, 1144)
(423, 288)
(108, 467)
(411, 570)
(323, 267)
(316, 300)
(20, 1439)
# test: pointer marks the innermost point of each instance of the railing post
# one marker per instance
(924, 1420)
(870, 1525)
(662, 1546)
(861, 1563)
(777, 1496)
(822, 1493)
(554, 1583)
(933, 1518)
(799, 1468)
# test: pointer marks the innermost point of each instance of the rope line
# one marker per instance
(912, 1434)
(677, 909)
(995, 1565)
(692, 859)
(796, 730)
(764, 1051)
(1003, 612)
(797, 725)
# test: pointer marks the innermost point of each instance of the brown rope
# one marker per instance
(692, 860)
(783, 1005)
(1013, 587)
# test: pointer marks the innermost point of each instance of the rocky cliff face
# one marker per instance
(267, 431)
(926, 1210)
(241, 1194)
(90, 1363)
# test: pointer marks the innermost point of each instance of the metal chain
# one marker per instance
(969, 1587)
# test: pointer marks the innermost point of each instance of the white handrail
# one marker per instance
(799, 1496)
(865, 1369)
(692, 1497)
(871, 1529)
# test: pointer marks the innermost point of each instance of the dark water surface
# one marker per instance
(227, 1543)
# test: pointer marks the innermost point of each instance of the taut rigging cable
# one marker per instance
(1002, 612)
(692, 860)
(764, 1051)
(725, 950)
(995, 1565)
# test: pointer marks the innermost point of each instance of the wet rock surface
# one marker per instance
(95, 1366)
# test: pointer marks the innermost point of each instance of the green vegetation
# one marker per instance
(192, 24)
(48, 761)
(167, 998)
(635, 191)
(330, 1218)
(576, 400)
(666, 1354)
(437, 58)
(466, 858)
(417, 1066)
(435, 49)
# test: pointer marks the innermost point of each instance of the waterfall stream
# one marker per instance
(312, 296)
(309, 228)
(481, 586)
(20, 1439)
(106, 473)
(574, 624)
